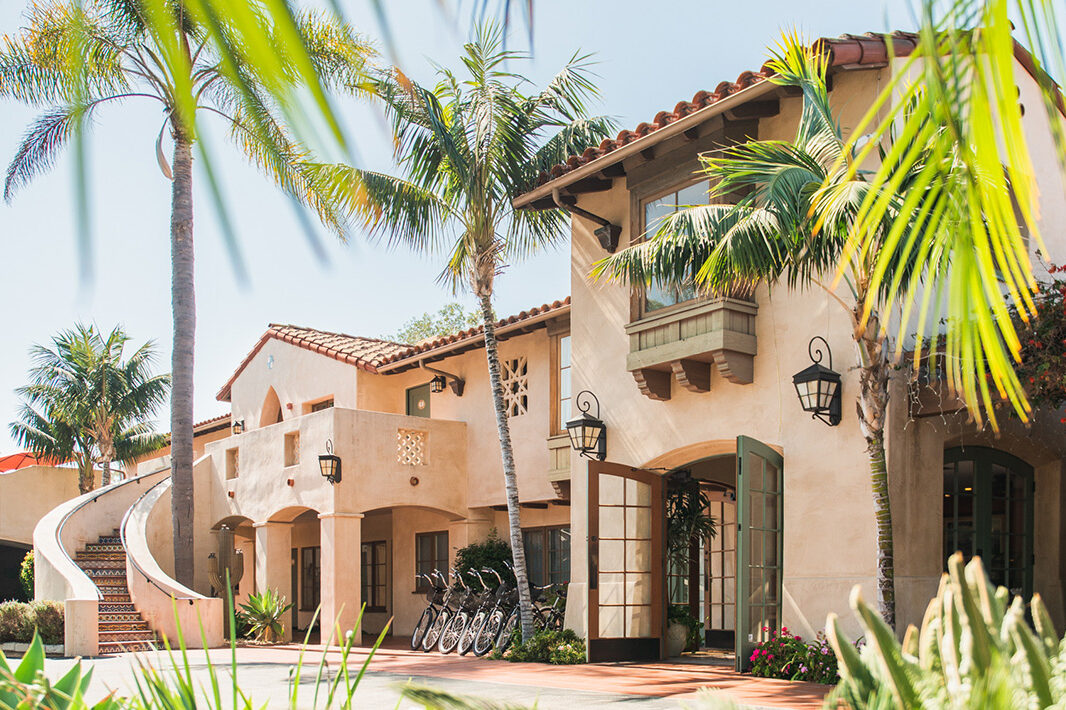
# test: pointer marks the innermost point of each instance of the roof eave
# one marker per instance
(679, 126)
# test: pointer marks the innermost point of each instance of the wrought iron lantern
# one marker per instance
(437, 384)
(818, 386)
(330, 464)
(238, 426)
(588, 433)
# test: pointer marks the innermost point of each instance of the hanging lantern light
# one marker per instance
(330, 464)
(588, 433)
(818, 386)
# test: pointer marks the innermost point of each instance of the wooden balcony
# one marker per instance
(683, 342)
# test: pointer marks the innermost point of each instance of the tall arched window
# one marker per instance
(271, 412)
(988, 511)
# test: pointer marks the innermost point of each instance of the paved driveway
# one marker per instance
(263, 673)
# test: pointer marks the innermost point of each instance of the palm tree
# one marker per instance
(799, 203)
(84, 403)
(74, 57)
(957, 95)
(465, 148)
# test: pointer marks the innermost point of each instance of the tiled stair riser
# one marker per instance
(121, 628)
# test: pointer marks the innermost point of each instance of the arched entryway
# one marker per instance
(988, 512)
(271, 412)
(11, 556)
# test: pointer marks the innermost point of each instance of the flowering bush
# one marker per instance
(1042, 369)
(787, 656)
(559, 648)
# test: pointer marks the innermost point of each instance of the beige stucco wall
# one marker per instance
(27, 494)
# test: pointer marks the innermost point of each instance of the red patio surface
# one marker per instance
(673, 679)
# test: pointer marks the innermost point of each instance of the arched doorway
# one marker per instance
(988, 512)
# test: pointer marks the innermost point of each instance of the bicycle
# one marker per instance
(440, 621)
(453, 631)
(435, 594)
(504, 600)
(486, 601)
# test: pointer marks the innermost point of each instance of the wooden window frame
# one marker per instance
(320, 404)
(556, 426)
(316, 593)
(546, 530)
(420, 584)
(376, 565)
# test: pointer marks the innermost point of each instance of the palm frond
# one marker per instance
(43, 141)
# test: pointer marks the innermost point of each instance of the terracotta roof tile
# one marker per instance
(365, 353)
(374, 354)
(844, 52)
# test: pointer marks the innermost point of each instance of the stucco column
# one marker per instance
(341, 538)
(273, 561)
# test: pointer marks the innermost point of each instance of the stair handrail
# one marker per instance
(87, 498)
(192, 594)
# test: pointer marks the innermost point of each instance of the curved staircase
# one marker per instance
(121, 626)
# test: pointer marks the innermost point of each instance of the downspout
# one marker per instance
(457, 384)
(608, 233)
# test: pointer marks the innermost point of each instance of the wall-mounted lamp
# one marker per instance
(818, 386)
(238, 426)
(442, 379)
(588, 433)
(330, 464)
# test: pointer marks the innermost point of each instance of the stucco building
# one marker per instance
(692, 386)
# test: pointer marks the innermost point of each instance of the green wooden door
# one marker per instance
(418, 401)
(988, 512)
(760, 523)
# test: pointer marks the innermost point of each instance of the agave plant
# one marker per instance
(975, 649)
(26, 686)
(264, 613)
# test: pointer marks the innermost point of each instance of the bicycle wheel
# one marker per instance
(436, 628)
(449, 638)
(424, 622)
(506, 631)
(486, 635)
(466, 642)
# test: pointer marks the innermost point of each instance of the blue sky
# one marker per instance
(650, 55)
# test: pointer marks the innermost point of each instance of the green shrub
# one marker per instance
(787, 656)
(493, 552)
(19, 619)
(265, 613)
(975, 649)
(680, 614)
(26, 575)
(560, 648)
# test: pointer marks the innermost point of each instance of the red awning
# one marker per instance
(14, 462)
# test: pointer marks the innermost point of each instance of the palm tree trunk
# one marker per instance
(872, 407)
(85, 477)
(518, 550)
(183, 305)
(105, 473)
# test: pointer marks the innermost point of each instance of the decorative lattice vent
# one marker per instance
(516, 386)
(412, 447)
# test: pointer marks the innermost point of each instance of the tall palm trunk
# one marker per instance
(872, 406)
(85, 477)
(518, 550)
(105, 473)
(183, 305)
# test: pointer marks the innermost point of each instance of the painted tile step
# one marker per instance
(107, 649)
(124, 636)
(108, 627)
(114, 617)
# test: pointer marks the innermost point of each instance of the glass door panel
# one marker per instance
(760, 490)
(626, 571)
(721, 573)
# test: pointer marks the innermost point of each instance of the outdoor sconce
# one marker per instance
(442, 379)
(330, 464)
(818, 386)
(588, 433)
(238, 426)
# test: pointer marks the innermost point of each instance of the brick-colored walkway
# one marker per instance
(675, 679)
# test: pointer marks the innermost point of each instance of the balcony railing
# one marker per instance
(682, 343)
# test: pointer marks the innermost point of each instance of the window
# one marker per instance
(233, 463)
(292, 448)
(375, 576)
(561, 385)
(656, 296)
(418, 401)
(988, 511)
(310, 578)
(321, 404)
(547, 555)
(516, 386)
(431, 552)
